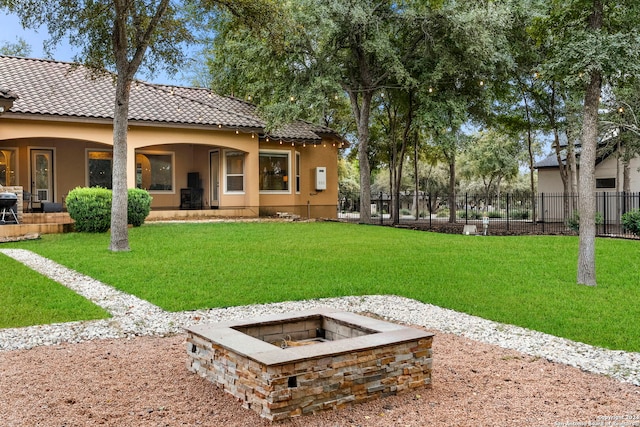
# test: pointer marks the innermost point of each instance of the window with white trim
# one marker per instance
(297, 172)
(234, 171)
(8, 162)
(100, 167)
(274, 171)
(154, 171)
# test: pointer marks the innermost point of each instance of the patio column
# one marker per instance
(131, 166)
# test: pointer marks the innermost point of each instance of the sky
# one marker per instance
(12, 31)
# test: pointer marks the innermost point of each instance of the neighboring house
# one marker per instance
(610, 202)
(189, 147)
(609, 174)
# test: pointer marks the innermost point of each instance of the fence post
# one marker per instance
(466, 209)
(542, 210)
(381, 210)
(604, 217)
(507, 211)
(430, 213)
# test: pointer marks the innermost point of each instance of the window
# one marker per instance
(100, 167)
(8, 166)
(274, 171)
(154, 172)
(297, 172)
(234, 170)
(605, 183)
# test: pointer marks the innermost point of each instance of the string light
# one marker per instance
(481, 82)
(219, 126)
(293, 145)
(430, 90)
(291, 98)
(253, 135)
(237, 131)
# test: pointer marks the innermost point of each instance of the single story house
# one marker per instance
(189, 147)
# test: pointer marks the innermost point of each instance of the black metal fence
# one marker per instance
(509, 213)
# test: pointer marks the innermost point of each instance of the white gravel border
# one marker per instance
(135, 317)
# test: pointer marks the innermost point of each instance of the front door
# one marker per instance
(214, 160)
(42, 175)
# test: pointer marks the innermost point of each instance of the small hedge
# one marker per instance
(631, 221)
(90, 208)
(139, 205)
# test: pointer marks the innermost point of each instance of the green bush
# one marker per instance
(631, 221)
(90, 208)
(473, 214)
(494, 214)
(139, 205)
(442, 213)
(574, 221)
(519, 214)
(405, 211)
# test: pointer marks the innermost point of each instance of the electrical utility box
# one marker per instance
(321, 178)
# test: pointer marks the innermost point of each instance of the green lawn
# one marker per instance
(528, 281)
(28, 298)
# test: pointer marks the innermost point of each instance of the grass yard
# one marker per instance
(528, 281)
(28, 298)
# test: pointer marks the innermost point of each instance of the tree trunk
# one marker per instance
(361, 112)
(573, 171)
(587, 197)
(415, 174)
(452, 188)
(119, 223)
(532, 182)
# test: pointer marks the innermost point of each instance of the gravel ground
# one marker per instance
(130, 370)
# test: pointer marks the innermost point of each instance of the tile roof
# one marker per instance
(46, 87)
(7, 94)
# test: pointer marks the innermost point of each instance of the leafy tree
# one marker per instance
(457, 70)
(591, 42)
(18, 48)
(491, 157)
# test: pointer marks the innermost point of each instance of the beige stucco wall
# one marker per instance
(190, 147)
(549, 180)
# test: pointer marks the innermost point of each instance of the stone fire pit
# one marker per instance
(299, 363)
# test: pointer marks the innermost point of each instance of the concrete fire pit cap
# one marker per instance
(381, 334)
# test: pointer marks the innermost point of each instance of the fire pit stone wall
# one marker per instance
(368, 359)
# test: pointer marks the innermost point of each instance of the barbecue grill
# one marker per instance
(7, 203)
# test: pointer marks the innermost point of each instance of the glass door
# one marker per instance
(42, 175)
(214, 160)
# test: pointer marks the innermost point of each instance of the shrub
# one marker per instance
(519, 214)
(574, 221)
(473, 214)
(90, 208)
(139, 205)
(494, 214)
(405, 211)
(442, 213)
(631, 221)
